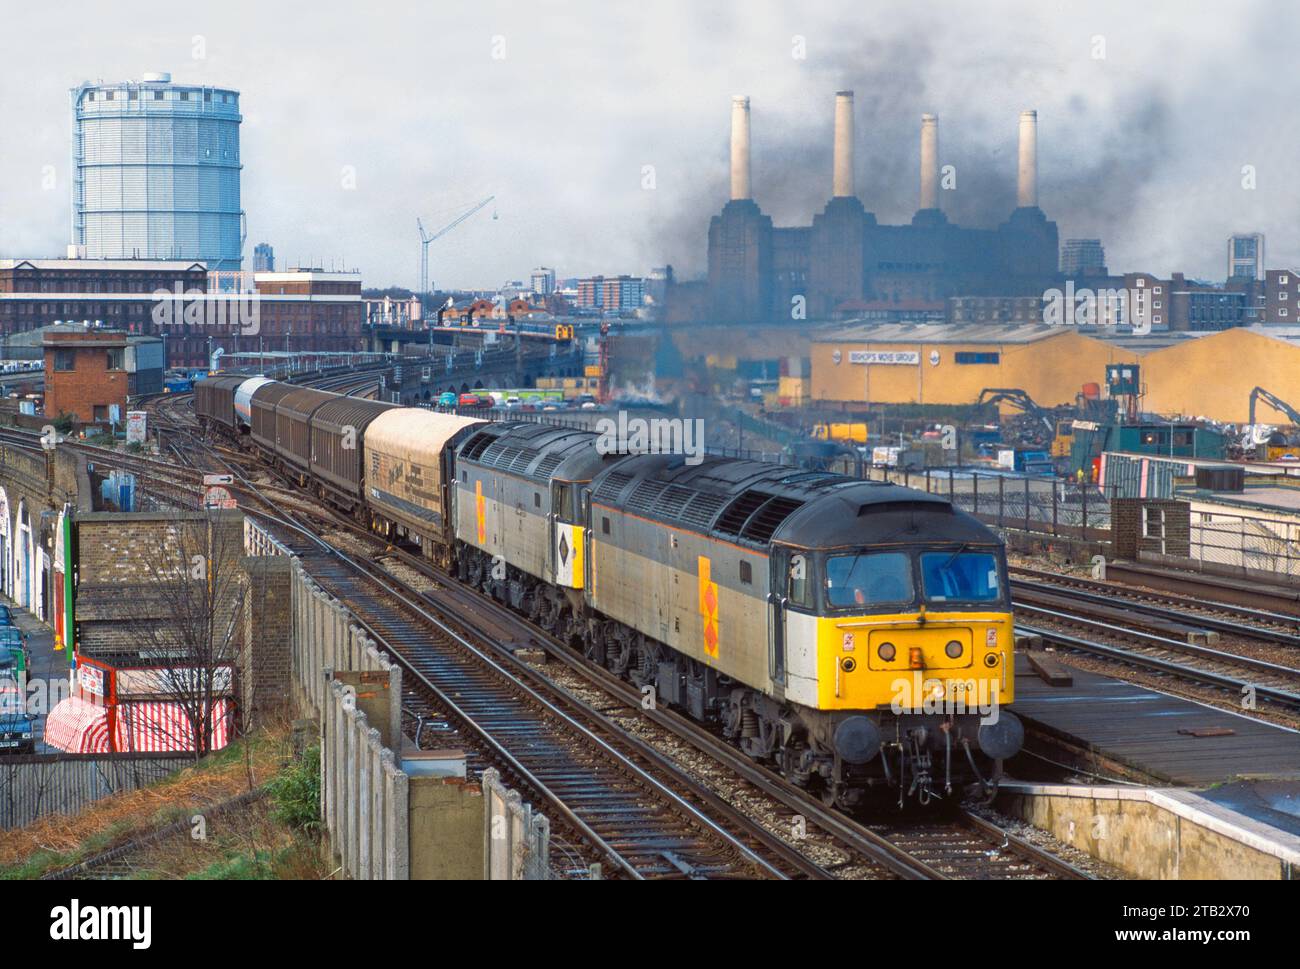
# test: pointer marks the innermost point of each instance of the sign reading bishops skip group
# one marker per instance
(903, 357)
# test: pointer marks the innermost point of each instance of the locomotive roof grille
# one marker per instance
(549, 464)
(612, 485)
(645, 495)
(768, 519)
(701, 509)
(732, 521)
(476, 445)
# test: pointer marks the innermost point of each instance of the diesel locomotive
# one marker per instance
(855, 635)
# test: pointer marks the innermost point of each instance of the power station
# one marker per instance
(757, 271)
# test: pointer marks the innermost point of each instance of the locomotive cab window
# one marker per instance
(960, 576)
(869, 579)
(799, 588)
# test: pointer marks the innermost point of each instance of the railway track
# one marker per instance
(1223, 617)
(466, 703)
(623, 802)
(1002, 852)
(1120, 631)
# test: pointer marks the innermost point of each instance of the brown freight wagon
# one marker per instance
(264, 401)
(337, 433)
(293, 424)
(214, 399)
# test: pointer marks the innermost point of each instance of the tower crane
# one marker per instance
(428, 237)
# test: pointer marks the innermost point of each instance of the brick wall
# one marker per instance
(264, 671)
(120, 608)
(1160, 525)
(90, 383)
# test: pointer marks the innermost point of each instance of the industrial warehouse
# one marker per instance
(1183, 375)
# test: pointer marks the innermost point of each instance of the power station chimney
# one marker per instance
(740, 148)
(842, 178)
(1027, 175)
(929, 161)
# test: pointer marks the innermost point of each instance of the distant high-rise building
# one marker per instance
(1246, 256)
(611, 293)
(155, 172)
(263, 258)
(543, 281)
(1083, 257)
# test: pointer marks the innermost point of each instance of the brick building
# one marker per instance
(194, 311)
(117, 293)
(89, 374)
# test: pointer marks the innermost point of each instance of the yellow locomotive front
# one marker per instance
(904, 648)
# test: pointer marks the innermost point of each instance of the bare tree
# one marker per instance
(185, 621)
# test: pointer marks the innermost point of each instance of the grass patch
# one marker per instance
(295, 793)
(275, 836)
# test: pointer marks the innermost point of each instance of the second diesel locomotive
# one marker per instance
(854, 634)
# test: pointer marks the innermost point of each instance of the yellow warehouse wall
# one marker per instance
(1052, 371)
(1210, 376)
(1213, 376)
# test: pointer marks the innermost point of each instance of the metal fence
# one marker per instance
(1047, 506)
(34, 786)
(1266, 544)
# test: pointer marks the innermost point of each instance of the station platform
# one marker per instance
(1118, 729)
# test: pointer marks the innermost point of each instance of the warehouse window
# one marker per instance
(64, 360)
(747, 573)
(1153, 522)
(970, 357)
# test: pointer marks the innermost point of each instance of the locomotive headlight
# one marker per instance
(953, 649)
(886, 651)
(933, 689)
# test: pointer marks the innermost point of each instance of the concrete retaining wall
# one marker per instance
(516, 842)
(381, 821)
(363, 792)
(32, 787)
(1156, 834)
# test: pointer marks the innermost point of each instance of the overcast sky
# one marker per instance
(1142, 146)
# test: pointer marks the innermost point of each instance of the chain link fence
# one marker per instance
(1267, 544)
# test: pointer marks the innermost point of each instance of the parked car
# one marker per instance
(14, 656)
(17, 726)
(447, 399)
(470, 400)
(6, 616)
(512, 402)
